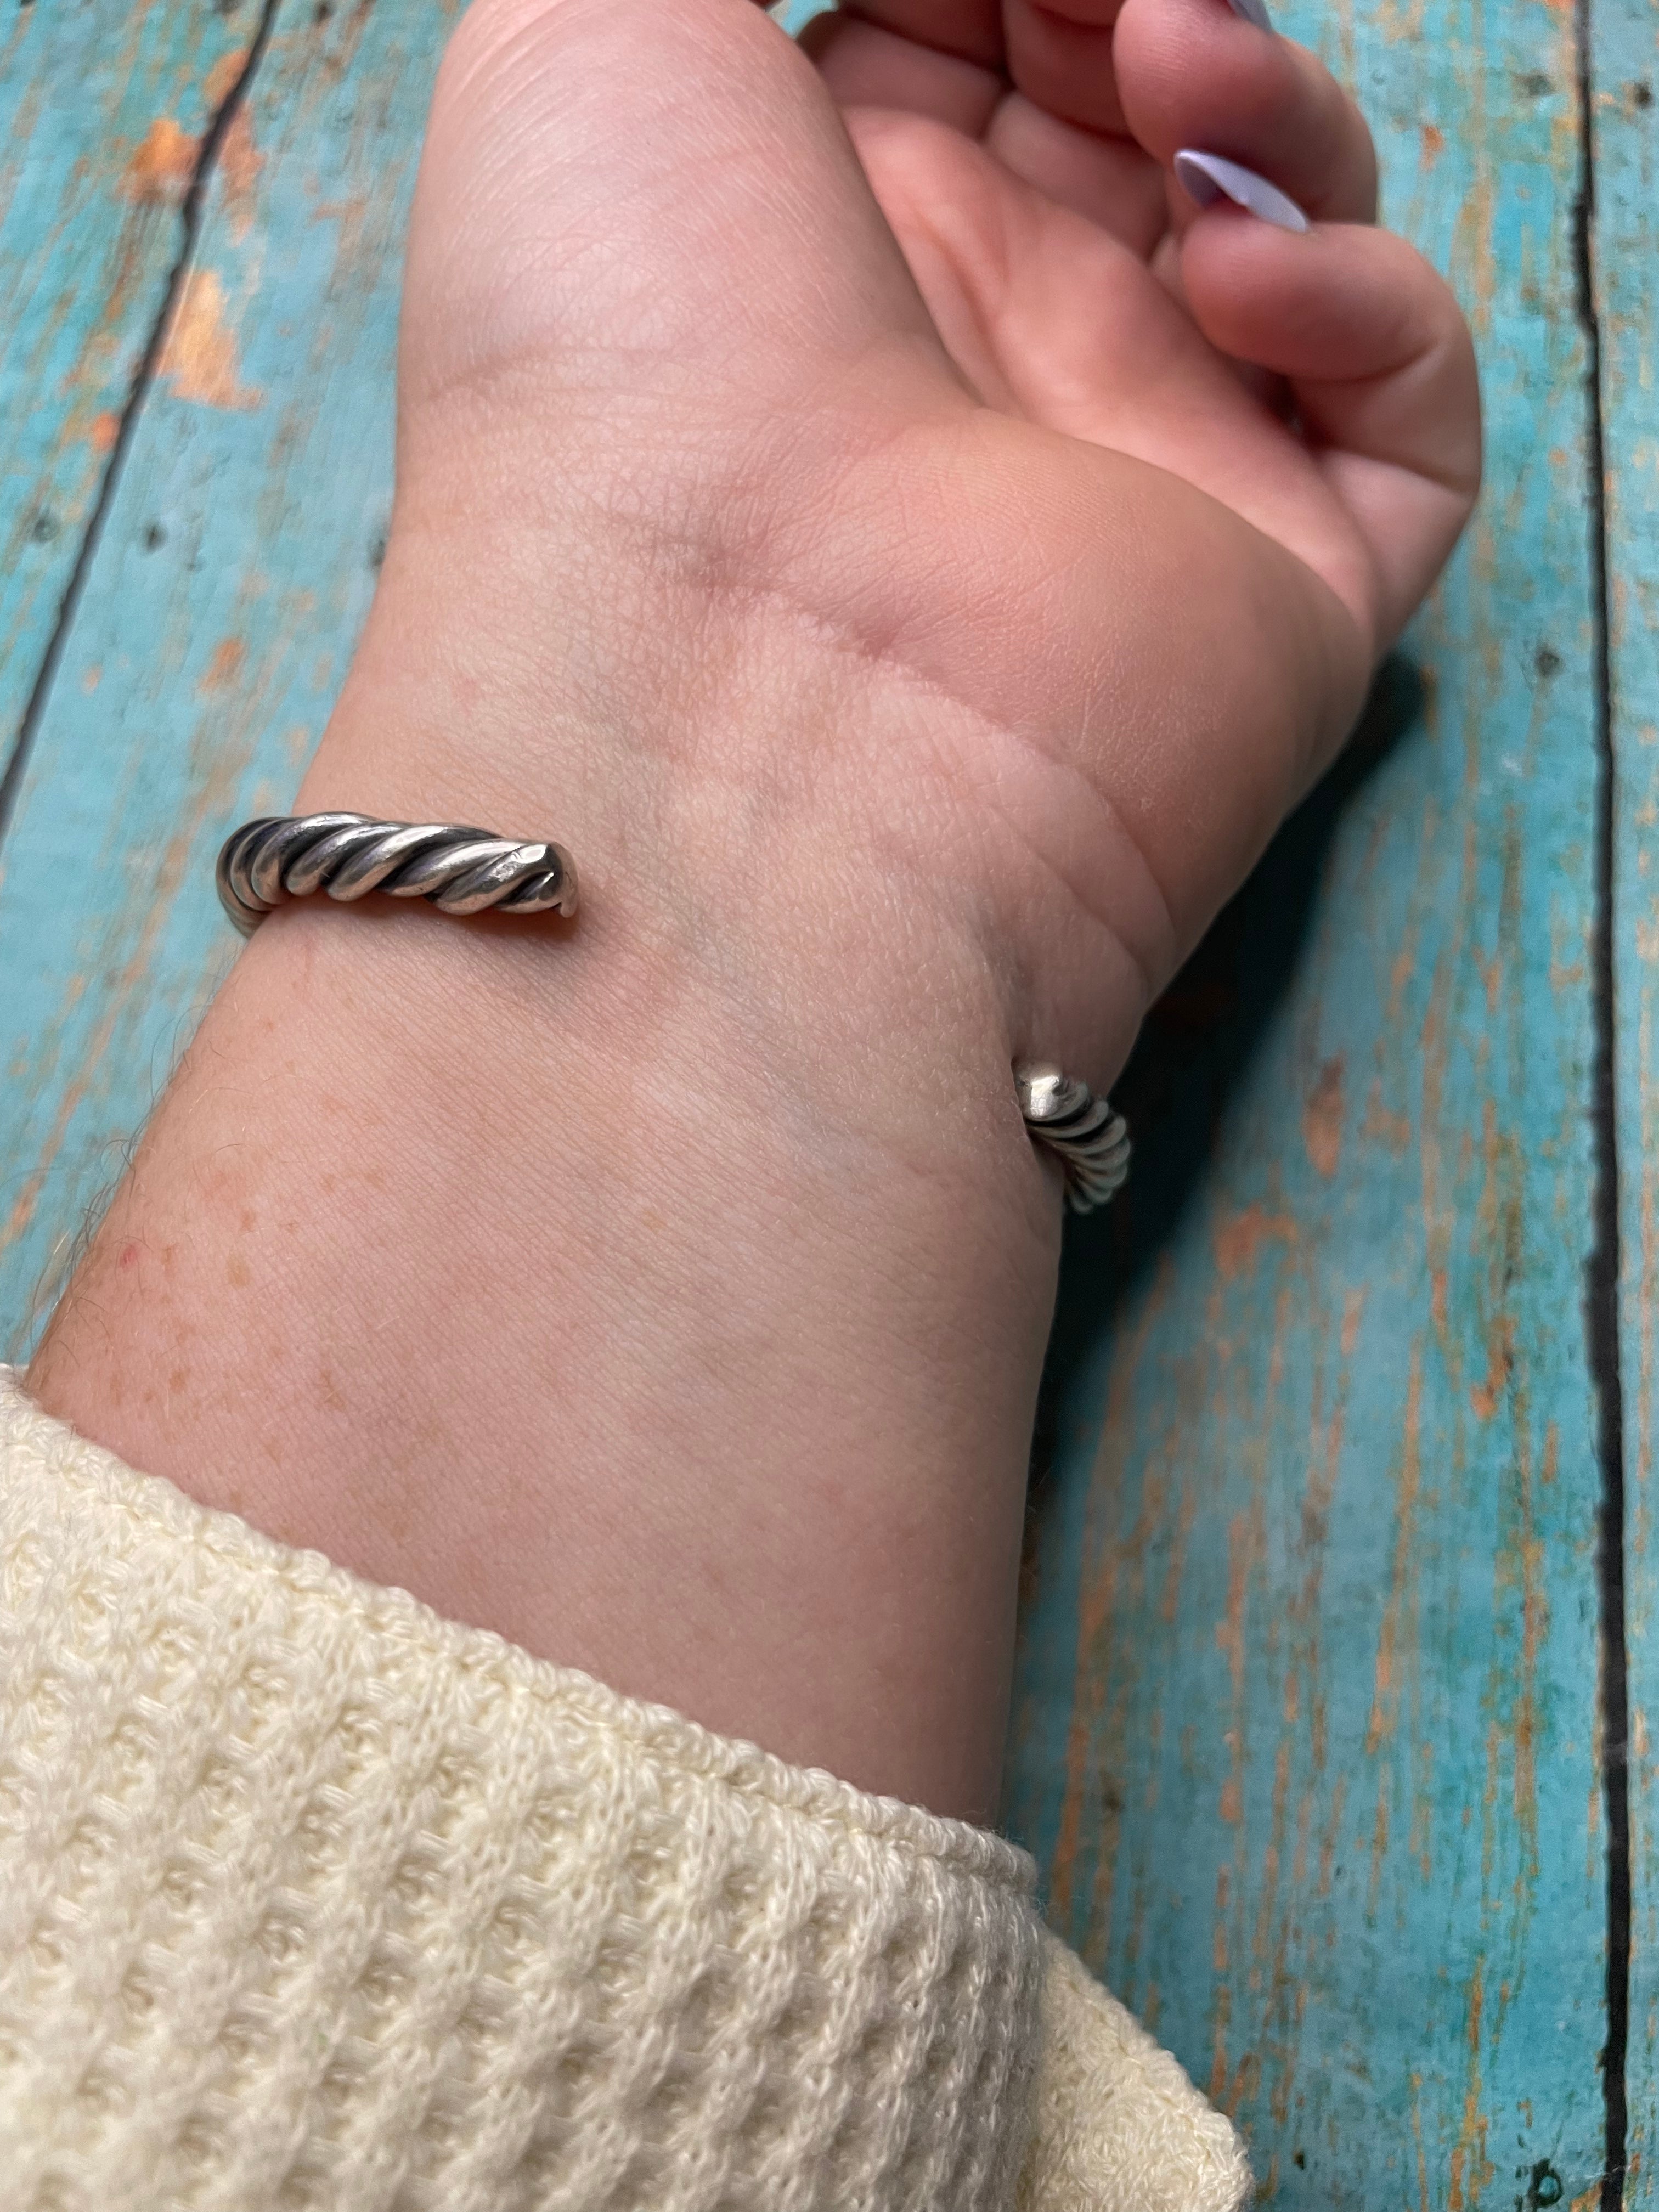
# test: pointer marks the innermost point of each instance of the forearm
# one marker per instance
(667, 1292)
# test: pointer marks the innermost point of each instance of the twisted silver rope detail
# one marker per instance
(459, 870)
(1089, 1141)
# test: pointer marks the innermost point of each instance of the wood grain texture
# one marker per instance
(1306, 1731)
(1306, 1728)
(1625, 82)
(233, 574)
(102, 111)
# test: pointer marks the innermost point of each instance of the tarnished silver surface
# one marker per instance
(459, 870)
(1089, 1141)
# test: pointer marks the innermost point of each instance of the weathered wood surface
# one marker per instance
(1307, 1731)
(101, 120)
(1625, 80)
(233, 568)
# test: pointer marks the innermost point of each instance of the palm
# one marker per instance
(1073, 321)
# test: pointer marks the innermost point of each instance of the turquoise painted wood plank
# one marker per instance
(226, 592)
(1305, 1734)
(1625, 79)
(102, 107)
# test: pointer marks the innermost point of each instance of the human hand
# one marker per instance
(1088, 607)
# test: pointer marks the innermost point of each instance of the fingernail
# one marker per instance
(1208, 177)
(1252, 11)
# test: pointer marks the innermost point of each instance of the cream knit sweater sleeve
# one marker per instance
(310, 1898)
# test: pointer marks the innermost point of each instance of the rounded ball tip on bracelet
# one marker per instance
(462, 871)
(1088, 1138)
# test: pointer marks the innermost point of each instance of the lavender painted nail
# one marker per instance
(1208, 177)
(1252, 11)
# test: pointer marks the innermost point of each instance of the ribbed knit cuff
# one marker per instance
(311, 1899)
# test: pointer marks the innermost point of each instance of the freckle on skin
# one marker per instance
(237, 1272)
(250, 1219)
(178, 1379)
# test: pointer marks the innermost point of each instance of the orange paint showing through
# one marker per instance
(1238, 1241)
(102, 431)
(1486, 1397)
(200, 356)
(1417, 2138)
(1534, 1624)
(1321, 1119)
(1230, 1631)
(1472, 2171)
(1379, 1850)
(239, 163)
(162, 164)
(229, 656)
(221, 77)
(1382, 1126)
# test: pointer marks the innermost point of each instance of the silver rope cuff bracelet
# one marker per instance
(461, 870)
(458, 869)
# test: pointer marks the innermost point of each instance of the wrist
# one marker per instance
(756, 803)
(456, 1250)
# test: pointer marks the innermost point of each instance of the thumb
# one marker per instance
(635, 190)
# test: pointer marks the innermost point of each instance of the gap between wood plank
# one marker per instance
(1601, 1273)
(144, 376)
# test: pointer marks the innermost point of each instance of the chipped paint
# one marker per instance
(100, 116)
(1239, 1240)
(239, 163)
(221, 79)
(225, 665)
(162, 165)
(198, 355)
(1321, 1119)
